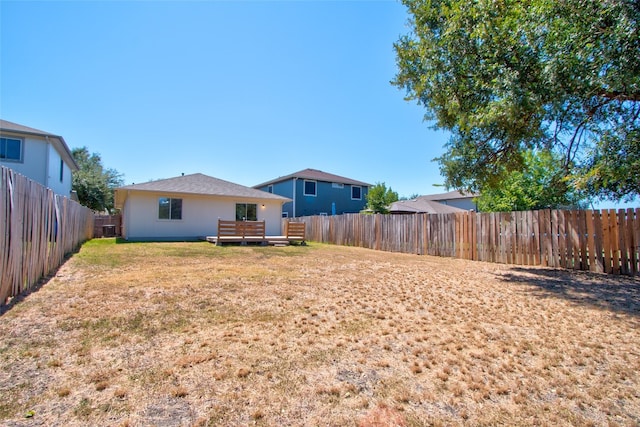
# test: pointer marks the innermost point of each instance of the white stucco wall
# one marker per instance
(199, 216)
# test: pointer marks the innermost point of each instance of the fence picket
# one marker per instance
(37, 229)
(606, 241)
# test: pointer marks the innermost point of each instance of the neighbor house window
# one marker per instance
(61, 170)
(309, 188)
(285, 214)
(337, 185)
(270, 189)
(169, 208)
(246, 212)
(356, 192)
(11, 149)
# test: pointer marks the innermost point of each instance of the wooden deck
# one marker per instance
(245, 232)
(266, 240)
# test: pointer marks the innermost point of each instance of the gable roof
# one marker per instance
(316, 175)
(199, 184)
(421, 205)
(7, 127)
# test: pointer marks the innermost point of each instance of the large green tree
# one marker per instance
(540, 184)
(92, 182)
(509, 76)
(380, 197)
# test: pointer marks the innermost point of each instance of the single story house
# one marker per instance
(40, 156)
(314, 192)
(188, 207)
(451, 202)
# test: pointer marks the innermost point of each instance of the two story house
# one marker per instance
(314, 192)
(38, 155)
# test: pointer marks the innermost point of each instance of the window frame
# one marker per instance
(174, 213)
(359, 187)
(246, 212)
(270, 188)
(3, 148)
(315, 187)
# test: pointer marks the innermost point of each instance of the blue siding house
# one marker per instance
(314, 192)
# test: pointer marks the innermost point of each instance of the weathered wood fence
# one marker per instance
(595, 240)
(37, 229)
(107, 226)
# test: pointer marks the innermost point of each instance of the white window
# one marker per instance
(356, 192)
(11, 149)
(309, 188)
(285, 214)
(337, 185)
(246, 212)
(270, 189)
(169, 208)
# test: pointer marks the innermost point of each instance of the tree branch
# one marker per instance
(619, 96)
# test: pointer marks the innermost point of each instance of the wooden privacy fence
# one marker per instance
(107, 226)
(37, 229)
(595, 240)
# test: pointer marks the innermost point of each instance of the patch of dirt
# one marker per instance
(190, 334)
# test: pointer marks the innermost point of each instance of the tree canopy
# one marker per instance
(509, 76)
(540, 184)
(92, 182)
(380, 197)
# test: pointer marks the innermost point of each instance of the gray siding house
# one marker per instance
(314, 192)
(38, 155)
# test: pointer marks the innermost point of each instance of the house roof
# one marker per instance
(199, 184)
(316, 175)
(7, 127)
(421, 205)
(451, 195)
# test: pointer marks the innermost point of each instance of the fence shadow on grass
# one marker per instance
(13, 301)
(620, 294)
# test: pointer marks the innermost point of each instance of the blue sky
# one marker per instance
(245, 91)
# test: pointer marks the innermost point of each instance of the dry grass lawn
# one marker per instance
(189, 334)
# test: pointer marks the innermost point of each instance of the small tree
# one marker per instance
(380, 197)
(92, 182)
(540, 184)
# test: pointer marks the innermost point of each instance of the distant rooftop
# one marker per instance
(420, 205)
(449, 196)
(316, 175)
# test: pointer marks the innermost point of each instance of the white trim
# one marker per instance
(304, 187)
(356, 198)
